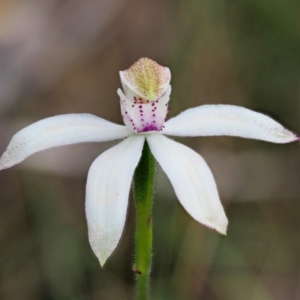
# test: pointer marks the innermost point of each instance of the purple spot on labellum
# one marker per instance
(150, 128)
(140, 106)
(153, 104)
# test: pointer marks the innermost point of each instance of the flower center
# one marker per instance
(144, 103)
(143, 116)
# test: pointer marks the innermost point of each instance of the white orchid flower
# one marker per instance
(144, 106)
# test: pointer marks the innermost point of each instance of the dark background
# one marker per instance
(60, 57)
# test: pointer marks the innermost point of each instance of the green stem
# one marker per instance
(143, 194)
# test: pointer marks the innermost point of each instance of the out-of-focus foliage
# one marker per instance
(61, 57)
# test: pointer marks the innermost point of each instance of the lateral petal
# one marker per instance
(212, 120)
(58, 131)
(192, 181)
(107, 193)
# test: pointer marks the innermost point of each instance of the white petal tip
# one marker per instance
(102, 262)
(5, 162)
(220, 229)
(223, 231)
(288, 137)
(101, 255)
(223, 228)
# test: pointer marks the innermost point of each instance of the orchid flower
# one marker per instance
(144, 106)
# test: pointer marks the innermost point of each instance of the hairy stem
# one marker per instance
(144, 178)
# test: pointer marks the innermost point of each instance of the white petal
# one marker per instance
(58, 131)
(192, 181)
(209, 120)
(107, 193)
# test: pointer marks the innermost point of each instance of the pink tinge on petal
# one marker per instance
(142, 115)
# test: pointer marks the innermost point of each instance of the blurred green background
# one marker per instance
(60, 57)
